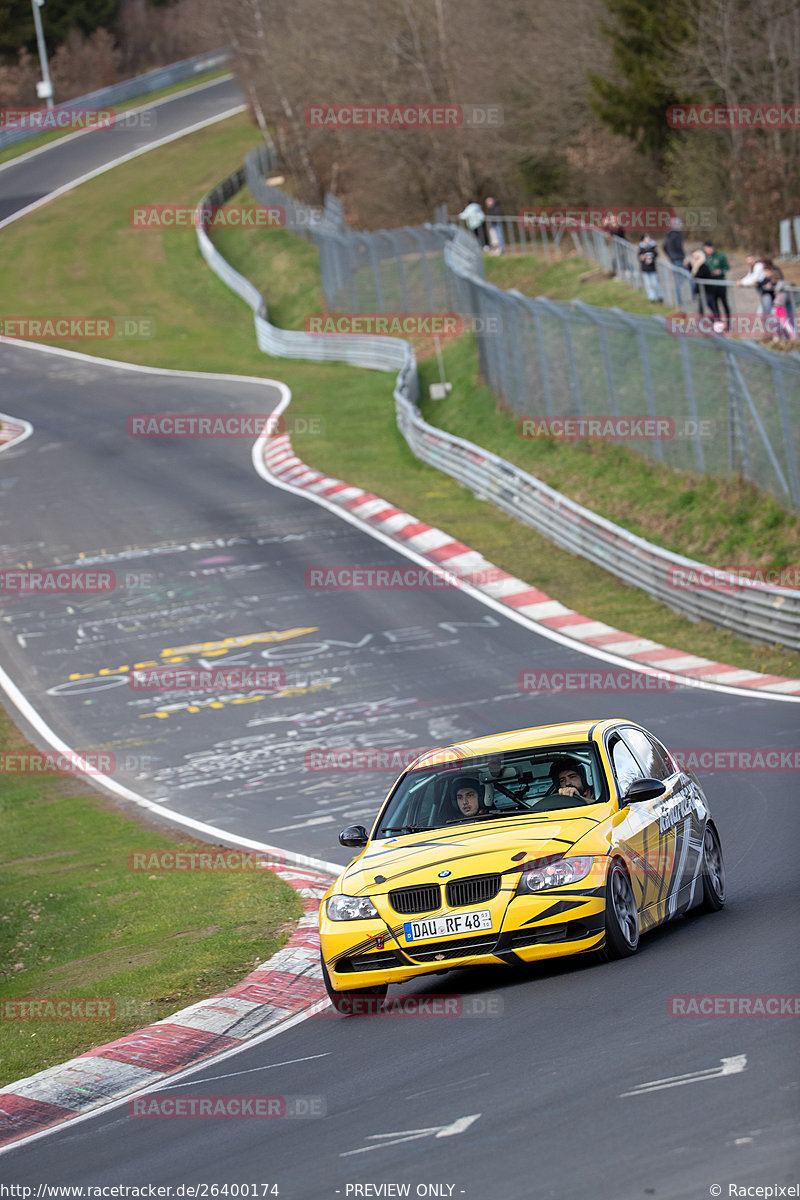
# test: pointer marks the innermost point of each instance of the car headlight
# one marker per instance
(351, 908)
(554, 874)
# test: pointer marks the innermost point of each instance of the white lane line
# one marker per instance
(108, 784)
(121, 117)
(728, 1066)
(117, 162)
(458, 1126)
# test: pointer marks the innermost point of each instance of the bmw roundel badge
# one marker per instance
(444, 874)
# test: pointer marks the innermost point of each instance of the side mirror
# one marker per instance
(644, 789)
(354, 835)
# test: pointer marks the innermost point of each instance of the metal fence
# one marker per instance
(675, 284)
(518, 235)
(398, 270)
(785, 230)
(619, 257)
(761, 612)
(130, 89)
(384, 354)
(732, 406)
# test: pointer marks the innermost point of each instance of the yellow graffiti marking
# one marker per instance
(180, 654)
(244, 639)
(197, 706)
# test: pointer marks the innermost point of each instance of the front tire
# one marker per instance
(713, 872)
(622, 917)
(355, 1002)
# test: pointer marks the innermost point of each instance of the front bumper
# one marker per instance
(552, 924)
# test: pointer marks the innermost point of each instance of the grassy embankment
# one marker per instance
(76, 921)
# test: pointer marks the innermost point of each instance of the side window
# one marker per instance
(672, 765)
(648, 755)
(626, 768)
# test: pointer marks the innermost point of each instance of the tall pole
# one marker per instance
(44, 90)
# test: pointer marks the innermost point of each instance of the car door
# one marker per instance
(680, 824)
(682, 819)
(636, 830)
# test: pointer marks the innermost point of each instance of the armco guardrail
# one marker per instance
(130, 89)
(759, 612)
(382, 354)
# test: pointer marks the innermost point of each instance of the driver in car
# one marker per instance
(569, 776)
(468, 796)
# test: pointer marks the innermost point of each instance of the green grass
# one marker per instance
(200, 324)
(76, 922)
(284, 268)
(560, 279)
(44, 139)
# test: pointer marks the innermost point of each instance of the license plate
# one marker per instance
(434, 927)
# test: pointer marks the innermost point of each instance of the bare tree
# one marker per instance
(741, 52)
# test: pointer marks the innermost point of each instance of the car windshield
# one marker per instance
(483, 789)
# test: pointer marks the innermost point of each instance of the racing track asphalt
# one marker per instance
(391, 669)
(26, 180)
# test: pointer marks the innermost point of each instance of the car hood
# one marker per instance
(418, 858)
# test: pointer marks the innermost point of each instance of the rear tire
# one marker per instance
(355, 1002)
(713, 872)
(622, 918)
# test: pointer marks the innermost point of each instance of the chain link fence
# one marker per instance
(731, 406)
(763, 612)
(675, 283)
(620, 258)
(398, 270)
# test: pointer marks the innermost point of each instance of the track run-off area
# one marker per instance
(566, 1079)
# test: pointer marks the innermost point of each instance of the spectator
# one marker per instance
(494, 212)
(673, 249)
(780, 297)
(648, 252)
(755, 278)
(769, 283)
(613, 231)
(474, 218)
(673, 243)
(718, 265)
(701, 273)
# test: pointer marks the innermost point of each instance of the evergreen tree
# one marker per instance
(643, 39)
(16, 28)
(58, 18)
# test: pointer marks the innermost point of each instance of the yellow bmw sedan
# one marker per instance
(558, 840)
